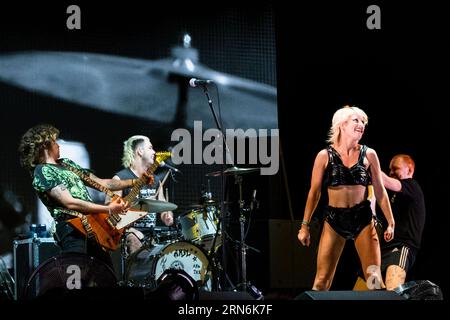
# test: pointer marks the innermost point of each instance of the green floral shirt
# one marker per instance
(47, 176)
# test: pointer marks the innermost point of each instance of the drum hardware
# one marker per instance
(237, 172)
(163, 235)
(123, 257)
(245, 285)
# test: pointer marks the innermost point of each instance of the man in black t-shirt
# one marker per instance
(138, 156)
(408, 207)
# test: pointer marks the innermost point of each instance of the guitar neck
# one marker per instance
(142, 181)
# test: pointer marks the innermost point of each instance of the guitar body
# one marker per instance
(106, 236)
(130, 217)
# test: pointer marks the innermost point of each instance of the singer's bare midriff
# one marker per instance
(346, 196)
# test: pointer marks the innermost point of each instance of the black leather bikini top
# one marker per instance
(337, 174)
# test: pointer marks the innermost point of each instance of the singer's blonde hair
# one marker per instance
(340, 116)
(129, 149)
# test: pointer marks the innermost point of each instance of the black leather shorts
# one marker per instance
(349, 222)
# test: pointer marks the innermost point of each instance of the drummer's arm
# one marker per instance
(118, 192)
(166, 216)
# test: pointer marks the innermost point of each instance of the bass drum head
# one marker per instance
(145, 266)
(59, 275)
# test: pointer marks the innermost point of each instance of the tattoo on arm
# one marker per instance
(63, 196)
(113, 184)
(110, 185)
(57, 192)
(118, 184)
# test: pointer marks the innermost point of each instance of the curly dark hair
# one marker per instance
(33, 144)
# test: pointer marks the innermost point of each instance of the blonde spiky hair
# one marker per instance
(129, 149)
(341, 116)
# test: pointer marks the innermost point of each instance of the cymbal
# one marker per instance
(232, 171)
(151, 205)
(156, 90)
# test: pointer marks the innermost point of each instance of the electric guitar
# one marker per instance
(108, 228)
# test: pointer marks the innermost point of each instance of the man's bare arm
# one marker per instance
(63, 196)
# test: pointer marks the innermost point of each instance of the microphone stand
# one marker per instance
(244, 285)
(223, 267)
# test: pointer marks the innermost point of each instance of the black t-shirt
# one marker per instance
(146, 192)
(408, 207)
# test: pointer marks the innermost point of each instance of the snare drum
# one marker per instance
(146, 266)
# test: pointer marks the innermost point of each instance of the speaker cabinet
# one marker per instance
(28, 255)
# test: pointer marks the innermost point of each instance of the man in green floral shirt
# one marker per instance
(60, 189)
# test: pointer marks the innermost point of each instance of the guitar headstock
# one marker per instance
(162, 156)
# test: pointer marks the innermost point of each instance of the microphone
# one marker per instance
(168, 166)
(198, 82)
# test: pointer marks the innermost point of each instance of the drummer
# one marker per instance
(138, 156)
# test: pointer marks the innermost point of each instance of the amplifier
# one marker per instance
(28, 255)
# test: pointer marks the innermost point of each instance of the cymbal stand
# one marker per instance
(238, 180)
(212, 254)
(123, 257)
(244, 285)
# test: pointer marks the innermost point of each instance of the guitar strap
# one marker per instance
(84, 221)
(88, 180)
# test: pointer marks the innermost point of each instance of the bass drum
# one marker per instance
(146, 265)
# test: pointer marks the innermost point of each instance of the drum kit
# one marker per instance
(192, 245)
